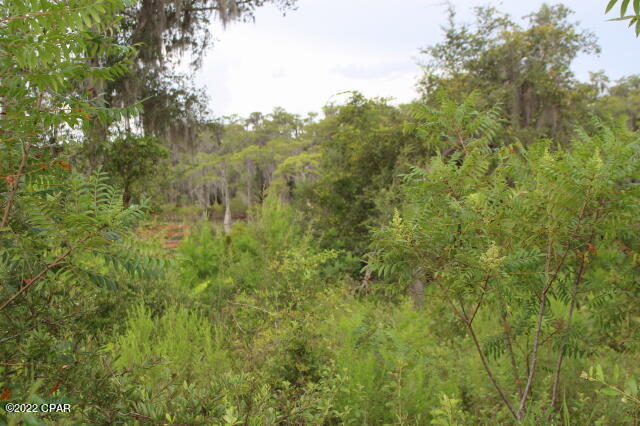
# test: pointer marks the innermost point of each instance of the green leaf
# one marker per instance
(609, 392)
(622, 18)
(624, 6)
(631, 387)
(610, 5)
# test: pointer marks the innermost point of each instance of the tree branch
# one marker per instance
(574, 296)
(541, 310)
(14, 185)
(490, 372)
(468, 320)
(41, 274)
(37, 278)
(512, 355)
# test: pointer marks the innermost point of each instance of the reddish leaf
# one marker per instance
(5, 395)
(65, 165)
(9, 179)
(54, 388)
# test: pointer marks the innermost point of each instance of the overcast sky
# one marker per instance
(306, 58)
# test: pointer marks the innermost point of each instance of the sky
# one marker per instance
(314, 54)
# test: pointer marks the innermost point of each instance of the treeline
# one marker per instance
(469, 258)
(343, 168)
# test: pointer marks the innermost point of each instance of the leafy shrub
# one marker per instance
(523, 238)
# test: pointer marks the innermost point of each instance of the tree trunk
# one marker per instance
(227, 209)
(126, 195)
(416, 292)
(249, 192)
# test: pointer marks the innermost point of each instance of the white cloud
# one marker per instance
(328, 46)
(250, 70)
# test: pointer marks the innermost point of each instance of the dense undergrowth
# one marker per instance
(258, 328)
(262, 327)
(269, 333)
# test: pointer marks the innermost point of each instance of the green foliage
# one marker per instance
(629, 392)
(201, 255)
(132, 160)
(242, 163)
(270, 258)
(520, 254)
(66, 238)
(622, 100)
(360, 144)
(68, 253)
(449, 412)
(520, 231)
(179, 343)
(454, 127)
(44, 44)
(633, 18)
(389, 362)
(525, 69)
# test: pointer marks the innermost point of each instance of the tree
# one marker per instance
(360, 144)
(522, 240)
(174, 111)
(58, 228)
(166, 31)
(132, 159)
(525, 69)
(622, 99)
(232, 156)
